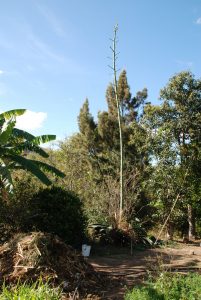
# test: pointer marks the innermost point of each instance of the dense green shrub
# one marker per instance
(15, 211)
(169, 287)
(55, 210)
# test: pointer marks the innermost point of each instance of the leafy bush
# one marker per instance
(169, 287)
(36, 291)
(55, 210)
(15, 212)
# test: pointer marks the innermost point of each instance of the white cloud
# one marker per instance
(1, 72)
(31, 120)
(198, 21)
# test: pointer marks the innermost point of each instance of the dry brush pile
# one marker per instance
(28, 257)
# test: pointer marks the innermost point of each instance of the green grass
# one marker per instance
(25, 291)
(169, 287)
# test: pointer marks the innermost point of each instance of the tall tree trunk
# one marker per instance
(191, 223)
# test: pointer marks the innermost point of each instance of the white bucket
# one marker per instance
(86, 250)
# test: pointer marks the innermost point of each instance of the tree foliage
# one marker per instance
(162, 156)
(174, 129)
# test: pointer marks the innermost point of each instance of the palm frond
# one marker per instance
(30, 166)
(48, 168)
(18, 133)
(6, 131)
(30, 147)
(6, 178)
(42, 139)
(12, 113)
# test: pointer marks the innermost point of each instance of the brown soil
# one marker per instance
(34, 255)
(132, 270)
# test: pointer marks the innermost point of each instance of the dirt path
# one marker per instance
(128, 271)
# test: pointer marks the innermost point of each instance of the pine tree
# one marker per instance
(86, 122)
(110, 98)
(131, 107)
(124, 94)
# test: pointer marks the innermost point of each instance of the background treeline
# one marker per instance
(161, 171)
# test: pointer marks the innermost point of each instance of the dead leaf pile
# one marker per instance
(28, 257)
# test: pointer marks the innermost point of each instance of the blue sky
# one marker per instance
(54, 53)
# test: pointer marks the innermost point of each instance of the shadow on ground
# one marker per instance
(126, 271)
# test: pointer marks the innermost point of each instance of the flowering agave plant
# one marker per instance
(14, 143)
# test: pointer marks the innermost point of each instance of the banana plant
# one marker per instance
(14, 143)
